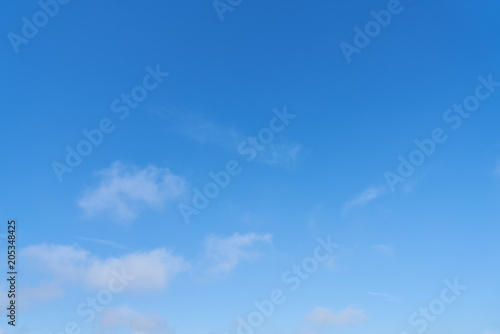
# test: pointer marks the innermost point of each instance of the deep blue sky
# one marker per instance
(324, 174)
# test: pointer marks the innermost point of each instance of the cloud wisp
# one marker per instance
(225, 253)
(365, 197)
(322, 316)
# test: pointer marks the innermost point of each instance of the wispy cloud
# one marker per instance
(412, 183)
(385, 249)
(200, 128)
(365, 197)
(321, 316)
(285, 155)
(385, 297)
(124, 191)
(104, 242)
(204, 131)
(223, 254)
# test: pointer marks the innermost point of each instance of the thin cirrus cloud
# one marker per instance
(203, 131)
(365, 197)
(150, 271)
(322, 316)
(384, 249)
(124, 316)
(285, 155)
(103, 242)
(223, 254)
(124, 191)
(206, 132)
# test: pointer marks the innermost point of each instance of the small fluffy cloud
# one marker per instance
(125, 317)
(365, 197)
(321, 316)
(152, 270)
(124, 191)
(224, 254)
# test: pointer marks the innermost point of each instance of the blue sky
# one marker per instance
(390, 152)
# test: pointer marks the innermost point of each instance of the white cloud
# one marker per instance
(124, 191)
(365, 197)
(225, 253)
(62, 261)
(322, 316)
(152, 270)
(125, 317)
